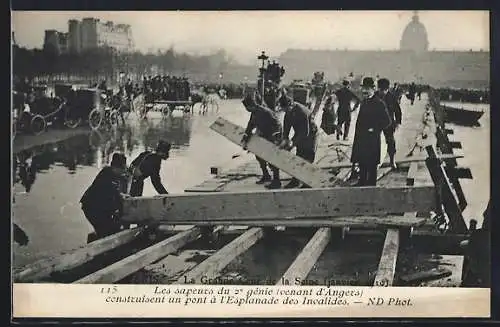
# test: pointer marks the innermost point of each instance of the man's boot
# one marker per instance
(264, 179)
(275, 184)
(392, 162)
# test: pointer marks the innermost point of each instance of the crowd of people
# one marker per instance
(166, 87)
(379, 112)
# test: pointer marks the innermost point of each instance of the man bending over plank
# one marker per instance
(267, 125)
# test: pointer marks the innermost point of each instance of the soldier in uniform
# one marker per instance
(394, 111)
(372, 120)
(102, 202)
(299, 117)
(148, 164)
(344, 98)
(268, 126)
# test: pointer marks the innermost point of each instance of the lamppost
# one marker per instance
(262, 70)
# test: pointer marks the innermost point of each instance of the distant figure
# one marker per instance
(372, 120)
(267, 125)
(411, 93)
(394, 111)
(397, 92)
(298, 117)
(148, 164)
(329, 117)
(344, 98)
(101, 202)
(103, 86)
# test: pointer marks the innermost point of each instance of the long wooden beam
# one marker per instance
(75, 258)
(361, 221)
(213, 265)
(387, 163)
(133, 263)
(279, 204)
(291, 164)
(305, 261)
(388, 259)
(450, 202)
(390, 251)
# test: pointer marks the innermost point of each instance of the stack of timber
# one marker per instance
(333, 233)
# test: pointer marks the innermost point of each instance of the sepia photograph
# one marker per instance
(287, 158)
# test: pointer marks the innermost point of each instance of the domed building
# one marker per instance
(414, 36)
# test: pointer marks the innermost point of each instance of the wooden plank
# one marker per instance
(412, 172)
(133, 263)
(456, 145)
(305, 261)
(441, 181)
(291, 164)
(459, 172)
(75, 258)
(388, 259)
(276, 204)
(386, 164)
(424, 276)
(362, 221)
(213, 265)
(453, 263)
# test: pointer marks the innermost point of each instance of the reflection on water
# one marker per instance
(50, 179)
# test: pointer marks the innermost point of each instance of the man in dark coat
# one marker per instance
(148, 164)
(102, 201)
(394, 111)
(344, 97)
(266, 123)
(372, 120)
(412, 89)
(298, 117)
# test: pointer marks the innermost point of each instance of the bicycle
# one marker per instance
(104, 115)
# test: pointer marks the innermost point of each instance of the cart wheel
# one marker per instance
(38, 124)
(71, 122)
(95, 119)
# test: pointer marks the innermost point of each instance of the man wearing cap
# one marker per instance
(372, 120)
(394, 111)
(344, 97)
(102, 201)
(298, 117)
(266, 123)
(148, 164)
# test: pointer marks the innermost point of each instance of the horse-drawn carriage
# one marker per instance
(34, 111)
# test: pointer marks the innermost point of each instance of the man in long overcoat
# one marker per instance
(372, 120)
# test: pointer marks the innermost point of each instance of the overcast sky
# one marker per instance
(245, 33)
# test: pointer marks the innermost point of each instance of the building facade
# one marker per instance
(56, 41)
(411, 62)
(90, 33)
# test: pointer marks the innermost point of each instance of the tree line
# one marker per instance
(108, 62)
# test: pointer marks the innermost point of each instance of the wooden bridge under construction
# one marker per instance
(406, 231)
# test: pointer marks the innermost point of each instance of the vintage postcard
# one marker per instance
(250, 164)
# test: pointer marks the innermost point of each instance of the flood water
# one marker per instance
(50, 212)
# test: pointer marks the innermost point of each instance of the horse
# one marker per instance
(205, 100)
